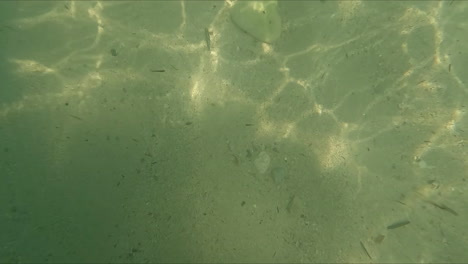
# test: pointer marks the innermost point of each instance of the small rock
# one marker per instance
(262, 162)
(279, 174)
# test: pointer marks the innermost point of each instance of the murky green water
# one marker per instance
(130, 131)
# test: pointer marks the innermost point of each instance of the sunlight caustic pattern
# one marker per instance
(364, 91)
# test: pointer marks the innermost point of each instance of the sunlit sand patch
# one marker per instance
(336, 154)
(348, 9)
(28, 66)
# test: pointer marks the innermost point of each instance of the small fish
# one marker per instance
(77, 117)
(443, 207)
(365, 250)
(208, 39)
(398, 224)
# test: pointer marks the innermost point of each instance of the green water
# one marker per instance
(125, 138)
